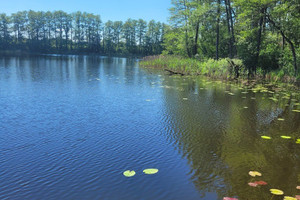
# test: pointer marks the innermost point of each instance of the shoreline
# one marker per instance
(191, 67)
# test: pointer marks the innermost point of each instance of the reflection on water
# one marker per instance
(70, 125)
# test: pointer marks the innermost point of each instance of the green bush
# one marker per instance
(209, 67)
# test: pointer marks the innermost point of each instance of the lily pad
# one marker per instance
(253, 184)
(150, 171)
(289, 198)
(285, 137)
(254, 173)
(276, 191)
(261, 183)
(266, 137)
(129, 173)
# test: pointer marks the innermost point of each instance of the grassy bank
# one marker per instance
(222, 69)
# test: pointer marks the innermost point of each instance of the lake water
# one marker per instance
(71, 125)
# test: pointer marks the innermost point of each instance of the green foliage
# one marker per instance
(210, 67)
(264, 34)
(60, 32)
(150, 171)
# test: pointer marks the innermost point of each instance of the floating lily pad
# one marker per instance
(254, 173)
(129, 173)
(276, 191)
(285, 137)
(150, 171)
(289, 198)
(266, 137)
(252, 184)
(229, 198)
(261, 183)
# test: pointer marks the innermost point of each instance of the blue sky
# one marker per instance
(108, 9)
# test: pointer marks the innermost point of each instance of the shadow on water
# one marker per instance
(220, 135)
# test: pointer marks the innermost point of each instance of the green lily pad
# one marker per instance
(129, 173)
(150, 171)
(285, 137)
(266, 137)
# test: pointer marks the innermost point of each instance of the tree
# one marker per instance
(4, 30)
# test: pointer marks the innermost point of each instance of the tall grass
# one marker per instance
(213, 68)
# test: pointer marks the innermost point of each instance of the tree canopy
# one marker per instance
(59, 32)
(265, 34)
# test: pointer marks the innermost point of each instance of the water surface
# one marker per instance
(70, 126)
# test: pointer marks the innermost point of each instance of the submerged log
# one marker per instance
(174, 72)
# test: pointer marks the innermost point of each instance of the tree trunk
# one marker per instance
(196, 39)
(186, 33)
(218, 30)
(232, 30)
(229, 31)
(258, 45)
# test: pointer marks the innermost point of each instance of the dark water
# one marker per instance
(70, 126)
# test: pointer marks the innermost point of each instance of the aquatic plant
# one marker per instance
(129, 173)
(229, 198)
(266, 137)
(254, 173)
(276, 191)
(150, 171)
(286, 137)
(289, 198)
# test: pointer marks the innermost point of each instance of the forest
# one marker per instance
(78, 32)
(262, 34)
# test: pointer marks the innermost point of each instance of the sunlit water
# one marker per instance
(71, 125)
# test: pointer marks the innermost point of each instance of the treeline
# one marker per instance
(79, 32)
(265, 34)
